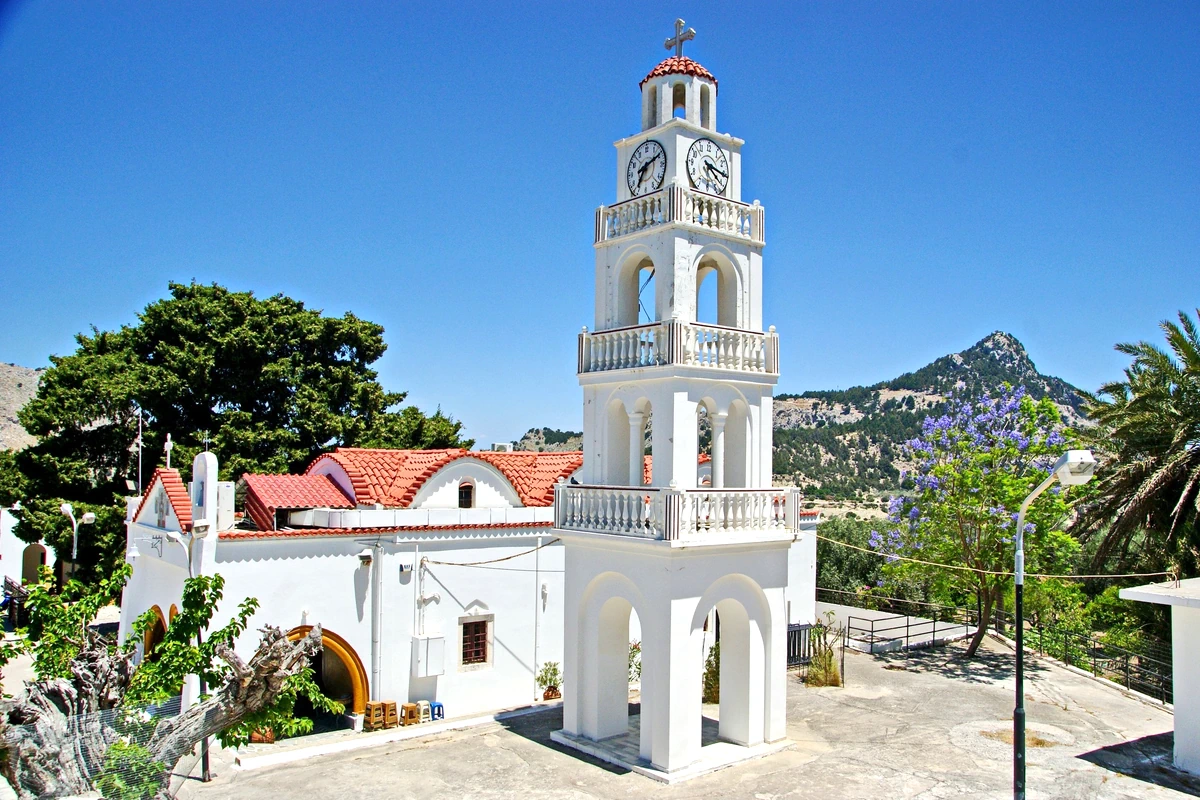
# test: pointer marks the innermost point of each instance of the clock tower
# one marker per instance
(675, 521)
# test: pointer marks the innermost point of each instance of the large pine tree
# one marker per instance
(267, 382)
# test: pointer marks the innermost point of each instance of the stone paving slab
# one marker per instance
(924, 724)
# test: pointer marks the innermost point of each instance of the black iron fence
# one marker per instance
(799, 645)
(1145, 667)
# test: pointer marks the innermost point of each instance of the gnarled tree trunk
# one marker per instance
(56, 739)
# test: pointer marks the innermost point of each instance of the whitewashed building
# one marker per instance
(19, 560)
(454, 576)
(681, 552)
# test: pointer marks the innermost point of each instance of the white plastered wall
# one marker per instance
(673, 591)
(492, 489)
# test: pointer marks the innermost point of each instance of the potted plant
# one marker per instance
(550, 678)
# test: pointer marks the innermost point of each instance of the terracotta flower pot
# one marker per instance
(551, 693)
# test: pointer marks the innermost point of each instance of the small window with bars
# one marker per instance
(466, 495)
(475, 642)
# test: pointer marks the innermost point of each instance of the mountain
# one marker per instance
(17, 387)
(846, 444)
(549, 440)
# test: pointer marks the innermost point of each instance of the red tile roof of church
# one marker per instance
(267, 493)
(177, 495)
(648, 466)
(679, 65)
(393, 477)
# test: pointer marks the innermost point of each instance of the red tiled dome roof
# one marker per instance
(679, 65)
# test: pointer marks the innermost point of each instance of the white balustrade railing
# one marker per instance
(733, 511)
(669, 514)
(677, 342)
(624, 348)
(680, 204)
(628, 511)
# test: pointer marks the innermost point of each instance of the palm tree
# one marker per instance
(1144, 506)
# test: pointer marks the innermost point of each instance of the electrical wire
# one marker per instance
(489, 561)
(961, 568)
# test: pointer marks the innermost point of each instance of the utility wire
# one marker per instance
(489, 561)
(961, 568)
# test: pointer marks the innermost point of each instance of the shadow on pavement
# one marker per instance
(986, 667)
(1148, 759)
(537, 727)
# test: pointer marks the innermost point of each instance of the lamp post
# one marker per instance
(87, 519)
(1072, 468)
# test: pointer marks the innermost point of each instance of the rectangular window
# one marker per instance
(475, 642)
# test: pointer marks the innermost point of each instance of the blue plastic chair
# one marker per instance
(437, 710)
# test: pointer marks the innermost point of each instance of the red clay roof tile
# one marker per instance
(177, 495)
(272, 534)
(267, 493)
(679, 65)
(392, 478)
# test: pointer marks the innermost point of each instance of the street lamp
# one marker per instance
(87, 519)
(1072, 468)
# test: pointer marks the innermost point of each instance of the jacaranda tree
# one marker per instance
(974, 466)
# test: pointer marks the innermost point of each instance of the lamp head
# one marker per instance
(67, 510)
(201, 527)
(87, 519)
(1075, 467)
(365, 557)
(133, 551)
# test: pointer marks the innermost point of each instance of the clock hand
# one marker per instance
(644, 167)
(712, 168)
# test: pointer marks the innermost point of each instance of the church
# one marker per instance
(454, 576)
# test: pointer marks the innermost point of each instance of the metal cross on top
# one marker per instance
(680, 37)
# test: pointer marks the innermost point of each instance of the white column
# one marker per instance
(1185, 647)
(636, 448)
(718, 449)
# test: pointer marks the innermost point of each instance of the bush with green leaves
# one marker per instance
(712, 675)
(550, 676)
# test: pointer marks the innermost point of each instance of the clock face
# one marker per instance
(707, 166)
(647, 168)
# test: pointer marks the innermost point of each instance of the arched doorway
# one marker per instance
(33, 558)
(339, 673)
(154, 635)
(609, 625)
(637, 302)
(745, 653)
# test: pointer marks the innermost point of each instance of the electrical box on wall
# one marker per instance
(429, 656)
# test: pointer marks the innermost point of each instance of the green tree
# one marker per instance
(1145, 504)
(974, 467)
(269, 383)
(842, 568)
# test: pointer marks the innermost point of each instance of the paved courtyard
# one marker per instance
(926, 725)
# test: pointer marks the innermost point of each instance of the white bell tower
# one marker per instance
(689, 524)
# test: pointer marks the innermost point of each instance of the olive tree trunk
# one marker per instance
(56, 737)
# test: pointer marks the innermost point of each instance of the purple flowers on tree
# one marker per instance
(970, 469)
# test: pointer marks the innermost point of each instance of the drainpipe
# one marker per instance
(376, 617)
(537, 597)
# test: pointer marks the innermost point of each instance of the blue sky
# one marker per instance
(931, 172)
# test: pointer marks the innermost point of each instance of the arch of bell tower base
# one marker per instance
(695, 96)
(744, 583)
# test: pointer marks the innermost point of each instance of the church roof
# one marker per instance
(679, 65)
(392, 478)
(267, 493)
(648, 466)
(177, 496)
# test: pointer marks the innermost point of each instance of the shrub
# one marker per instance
(550, 675)
(635, 661)
(712, 675)
(823, 670)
